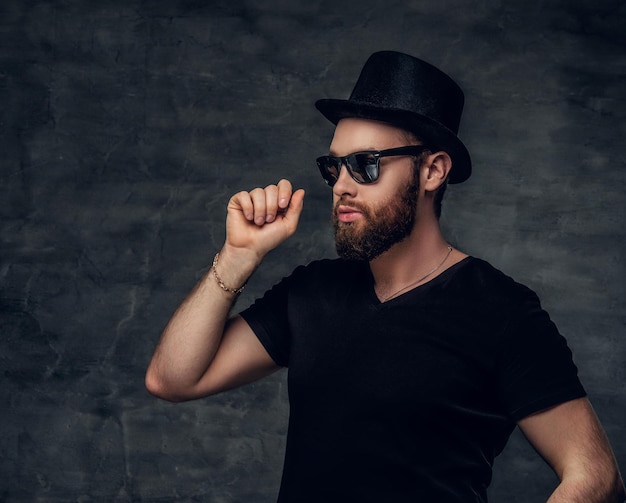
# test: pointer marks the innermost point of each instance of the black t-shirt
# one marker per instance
(411, 399)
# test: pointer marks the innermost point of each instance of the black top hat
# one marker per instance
(411, 94)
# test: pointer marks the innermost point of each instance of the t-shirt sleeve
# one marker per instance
(535, 364)
(269, 320)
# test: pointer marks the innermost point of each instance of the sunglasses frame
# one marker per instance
(367, 175)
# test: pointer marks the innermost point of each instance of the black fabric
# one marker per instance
(412, 399)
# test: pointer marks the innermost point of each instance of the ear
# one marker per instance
(437, 167)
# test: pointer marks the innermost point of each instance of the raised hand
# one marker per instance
(259, 220)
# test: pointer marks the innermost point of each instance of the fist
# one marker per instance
(261, 219)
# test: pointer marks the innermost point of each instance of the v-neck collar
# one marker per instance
(373, 299)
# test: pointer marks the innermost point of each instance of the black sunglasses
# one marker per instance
(364, 167)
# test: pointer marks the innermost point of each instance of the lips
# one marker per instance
(347, 213)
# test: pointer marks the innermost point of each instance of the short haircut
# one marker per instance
(410, 138)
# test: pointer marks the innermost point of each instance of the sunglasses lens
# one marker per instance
(363, 167)
(329, 168)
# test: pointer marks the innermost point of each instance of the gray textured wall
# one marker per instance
(126, 125)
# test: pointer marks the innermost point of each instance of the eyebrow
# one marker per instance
(367, 149)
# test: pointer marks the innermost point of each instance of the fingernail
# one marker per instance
(260, 221)
(269, 218)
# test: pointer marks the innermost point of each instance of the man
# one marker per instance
(410, 363)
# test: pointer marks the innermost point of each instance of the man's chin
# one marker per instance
(349, 248)
(350, 254)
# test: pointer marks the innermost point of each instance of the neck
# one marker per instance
(405, 263)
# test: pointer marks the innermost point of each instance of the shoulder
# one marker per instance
(322, 274)
(324, 268)
(482, 291)
(479, 277)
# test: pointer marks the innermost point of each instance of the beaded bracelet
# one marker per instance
(221, 284)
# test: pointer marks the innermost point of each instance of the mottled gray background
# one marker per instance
(126, 125)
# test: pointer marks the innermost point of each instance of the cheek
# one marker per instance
(396, 176)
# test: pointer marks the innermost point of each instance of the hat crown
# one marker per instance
(398, 81)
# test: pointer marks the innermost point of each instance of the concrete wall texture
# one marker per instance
(125, 126)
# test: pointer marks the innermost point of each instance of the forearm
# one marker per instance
(607, 489)
(571, 439)
(193, 335)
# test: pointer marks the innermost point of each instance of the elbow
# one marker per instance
(614, 486)
(596, 485)
(618, 489)
(157, 388)
(610, 488)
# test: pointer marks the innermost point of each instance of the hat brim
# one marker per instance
(436, 135)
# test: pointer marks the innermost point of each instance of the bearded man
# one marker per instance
(409, 362)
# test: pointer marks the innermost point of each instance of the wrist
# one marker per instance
(220, 281)
(232, 267)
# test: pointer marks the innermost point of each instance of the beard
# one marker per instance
(379, 228)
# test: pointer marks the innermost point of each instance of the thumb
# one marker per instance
(295, 206)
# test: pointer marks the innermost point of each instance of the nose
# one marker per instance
(345, 184)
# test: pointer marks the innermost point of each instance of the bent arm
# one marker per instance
(570, 438)
(201, 352)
